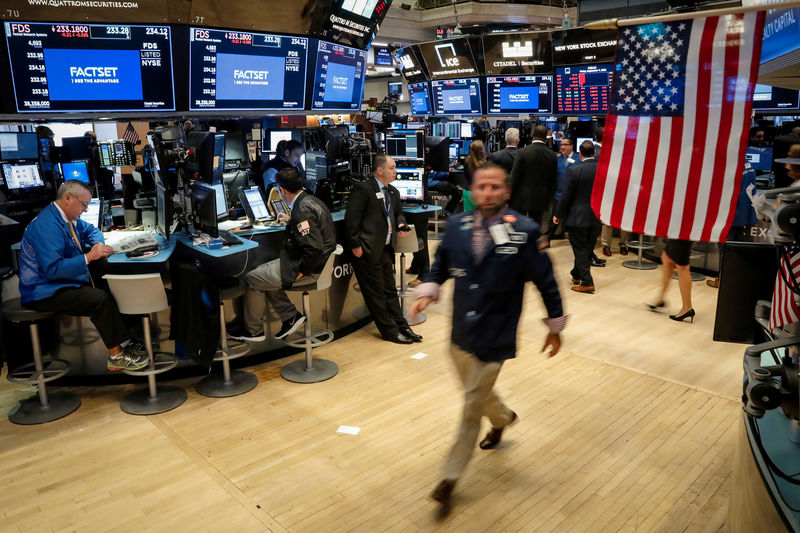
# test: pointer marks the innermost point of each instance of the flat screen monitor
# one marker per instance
(15, 146)
(511, 95)
(74, 148)
(456, 97)
(219, 195)
(465, 144)
(254, 205)
(93, 212)
(467, 130)
(517, 53)
(396, 88)
(769, 98)
(76, 170)
(236, 155)
(241, 70)
(209, 153)
(410, 66)
(449, 59)
(437, 153)
(350, 22)
(20, 176)
(579, 141)
(454, 151)
(78, 67)
(410, 183)
(760, 157)
(204, 209)
(338, 78)
(277, 136)
(405, 144)
(583, 89)
(419, 98)
(581, 46)
(383, 56)
(164, 210)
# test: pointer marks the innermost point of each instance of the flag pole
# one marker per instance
(610, 24)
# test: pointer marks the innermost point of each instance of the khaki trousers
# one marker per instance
(478, 378)
(608, 231)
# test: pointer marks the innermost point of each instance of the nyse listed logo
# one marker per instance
(517, 49)
(447, 55)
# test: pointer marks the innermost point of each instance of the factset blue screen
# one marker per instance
(456, 97)
(338, 77)
(520, 94)
(419, 98)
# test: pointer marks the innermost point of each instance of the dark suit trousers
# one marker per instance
(582, 240)
(378, 288)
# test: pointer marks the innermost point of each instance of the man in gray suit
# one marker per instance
(506, 157)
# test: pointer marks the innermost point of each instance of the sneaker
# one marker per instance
(140, 350)
(290, 326)
(127, 359)
(241, 334)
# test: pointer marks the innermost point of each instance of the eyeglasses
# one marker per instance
(84, 204)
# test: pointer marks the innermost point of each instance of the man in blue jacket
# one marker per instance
(491, 253)
(54, 272)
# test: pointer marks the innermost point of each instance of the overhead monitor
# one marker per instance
(581, 46)
(383, 56)
(511, 95)
(410, 183)
(20, 176)
(338, 78)
(76, 170)
(517, 53)
(449, 59)
(16, 146)
(781, 28)
(76, 67)
(350, 22)
(456, 97)
(583, 89)
(769, 98)
(93, 213)
(408, 60)
(419, 98)
(240, 70)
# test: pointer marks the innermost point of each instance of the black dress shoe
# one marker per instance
(408, 332)
(443, 491)
(492, 438)
(597, 263)
(398, 338)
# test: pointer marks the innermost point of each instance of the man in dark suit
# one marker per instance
(373, 220)
(533, 177)
(575, 210)
(506, 157)
(780, 147)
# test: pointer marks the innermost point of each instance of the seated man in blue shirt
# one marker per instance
(288, 156)
(54, 273)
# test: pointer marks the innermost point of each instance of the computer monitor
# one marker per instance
(209, 149)
(454, 150)
(467, 130)
(75, 170)
(760, 157)
(75, 148)
(219, 194)
(22, 176)
(437, 153)
(204, 209)
(396, 87)
(254, 204)
(465, 145)
(93, 213)
(276, 136)
(338, 78)
(419, 98)
(579, 141)
(16, 146)
(236, 155)
(410, 183)
(405, 144)
(164, 209)
(456, 97)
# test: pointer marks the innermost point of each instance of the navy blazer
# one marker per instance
(575, 207)
(487, 300)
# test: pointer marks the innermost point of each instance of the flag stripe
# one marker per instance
(617, 128)
(630, 136)
(672, 179)
(634, 185)
(660, 188)
(601, 176)
(645, 193)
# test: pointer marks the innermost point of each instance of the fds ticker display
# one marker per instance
(66, 67)
(246, 70)
(583, 89)
(338, 77)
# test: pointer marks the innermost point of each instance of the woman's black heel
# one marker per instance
(659, 305)
(688, 314)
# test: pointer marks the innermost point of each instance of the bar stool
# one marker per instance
(42, 408)
(407, 245)
(641, 246)
(142, 294)
(229, 383)
(310, 370)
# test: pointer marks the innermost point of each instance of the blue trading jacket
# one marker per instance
(487, 299)
(49, 259)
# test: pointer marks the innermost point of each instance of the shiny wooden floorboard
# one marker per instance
(631, 428)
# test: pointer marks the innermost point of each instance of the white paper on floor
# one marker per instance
(348, 430)
(419, 355)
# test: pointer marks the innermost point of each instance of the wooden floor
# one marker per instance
(631, 428)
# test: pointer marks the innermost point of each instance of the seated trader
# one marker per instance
(54, 274)
(288, 156)
(310, 238)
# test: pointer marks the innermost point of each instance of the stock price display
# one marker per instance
(245, 70)
(90, 67)
(583, 89)
(339, 77)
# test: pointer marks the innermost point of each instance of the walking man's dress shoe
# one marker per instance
(583, 288)
(408, 332)
(397, 338)
(443, 491)
(607, 251)
(598, 263)
(576, 281)
(492, 438)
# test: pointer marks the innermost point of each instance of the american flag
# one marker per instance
(784, 302)
(676, 130)
(130, 135)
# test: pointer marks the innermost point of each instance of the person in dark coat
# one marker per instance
(373, 220)
(575, 210)
(491, 253)
(780, 149)
(506, 157)
(534, 177)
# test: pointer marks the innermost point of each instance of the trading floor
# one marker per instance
(632, 427)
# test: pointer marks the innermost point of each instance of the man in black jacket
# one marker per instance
(506, 157)
(288, 155)
(533, 179)
(780, 149)
(373, 220)
(310, 240)
(582, 225)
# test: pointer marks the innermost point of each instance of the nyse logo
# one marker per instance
(447, 55)
(517, 49)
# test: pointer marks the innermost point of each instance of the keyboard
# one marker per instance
(228, 238)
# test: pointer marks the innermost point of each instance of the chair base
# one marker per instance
(696, 276)
(139, 401)
(31, 411)
(636, 265)
(421, 317)
(215, 386)
(321, 370)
